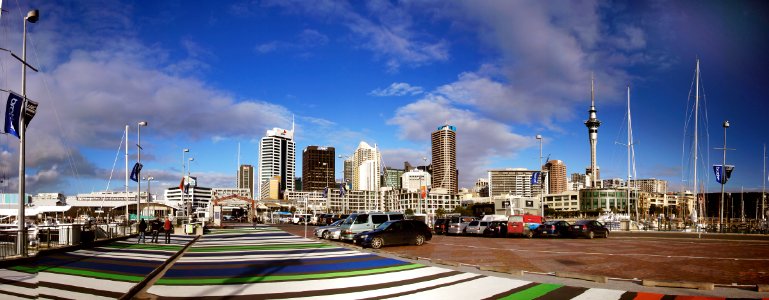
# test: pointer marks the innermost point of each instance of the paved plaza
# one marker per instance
(268, 263)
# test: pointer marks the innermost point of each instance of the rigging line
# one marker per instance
(115, 162)
(67, 148)
(687, 118)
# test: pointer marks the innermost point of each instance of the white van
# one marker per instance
(357, 223)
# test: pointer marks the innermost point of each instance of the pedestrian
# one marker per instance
(155, 229)
(142, 229)
(167, 228)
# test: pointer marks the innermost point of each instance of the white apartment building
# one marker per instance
(566, 201)
(413, 180)
(366, 168)
(516, 182)
(277, 157)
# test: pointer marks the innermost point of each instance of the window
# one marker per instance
(378, 219)
(362, 218)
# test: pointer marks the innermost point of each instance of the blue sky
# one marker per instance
(209, 76)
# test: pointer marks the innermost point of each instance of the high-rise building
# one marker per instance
(392, 178)
(348, 171)
(513, 182)
(365, 168)
(246, 178)
(556, 170)
(444, 152)
(318, 168)
(592, 125)
(277, 157)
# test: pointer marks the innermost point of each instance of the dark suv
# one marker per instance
(397, 232)
(496, 229)
(588, 229)
(441, 226)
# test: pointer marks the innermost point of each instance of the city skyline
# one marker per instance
(208, 77)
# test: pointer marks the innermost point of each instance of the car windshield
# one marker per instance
(337, 223)
(384, 225)
(582, 222)
(473, 223)
(516, 219)
(349, 220)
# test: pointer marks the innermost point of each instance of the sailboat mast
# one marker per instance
(696, 110)
(126, 174)
(763, 189)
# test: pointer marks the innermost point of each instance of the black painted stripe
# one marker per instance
(427, 288)
(628, 296)
(512, 291)
(17, 295)
(564, 292)
(17, 283)
(82, 290)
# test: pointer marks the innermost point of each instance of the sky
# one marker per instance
(213, 77)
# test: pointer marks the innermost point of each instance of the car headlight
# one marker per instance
(364, 236)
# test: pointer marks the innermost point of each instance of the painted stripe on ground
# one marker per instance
(477, 289)
(533, 292)
(598, 294)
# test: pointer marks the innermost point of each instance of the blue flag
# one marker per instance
(135, 172)
(341, 190)
(12, 114)
(719, 170)
(535, 177)
(325, 192)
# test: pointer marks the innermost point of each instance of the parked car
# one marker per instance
(457, 224)
(441, 225)
(557, 228)
(323, 231)
(476, 227)
(588, 229)
(523, 225)
(496, 229)
(395, 232)
(357, 223)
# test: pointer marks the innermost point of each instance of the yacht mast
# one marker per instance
(629, 156)
(696, 110)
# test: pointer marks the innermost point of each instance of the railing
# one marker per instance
(45, 237)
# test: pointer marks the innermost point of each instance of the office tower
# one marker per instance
(392, 178)
(277, 157)
(365, 168)
(556, 170)
(348, 172)
(246, 178)
(318, 168)
(444, 152)
(514, 182)
(592, 125)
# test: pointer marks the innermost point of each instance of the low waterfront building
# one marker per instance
(597, 199)
(515, 182)
(566, 201)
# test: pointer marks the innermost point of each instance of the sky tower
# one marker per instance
(592, 125)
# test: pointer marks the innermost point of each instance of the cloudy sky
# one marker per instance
(210, 76)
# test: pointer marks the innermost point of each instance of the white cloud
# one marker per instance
(397, 89)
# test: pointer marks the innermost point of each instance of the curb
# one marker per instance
(594, 278)
(707, 286)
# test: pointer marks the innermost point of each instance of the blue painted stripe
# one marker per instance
(267, 252)
(298, 261)
(256, 270)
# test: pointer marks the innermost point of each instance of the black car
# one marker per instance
(558, 228)
(496, 229)
(588, 229)
(441, 225)
(396, 232)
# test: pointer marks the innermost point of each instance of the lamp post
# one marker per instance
(723, 181)
(541, 202)
(181, 189)
(21, 245)
(328, 191)
(346, 183)
(149, 195)
(139, 171)
(423, 186)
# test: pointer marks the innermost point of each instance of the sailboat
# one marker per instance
(697, 216)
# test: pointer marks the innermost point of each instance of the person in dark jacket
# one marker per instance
(142, 229)
(155, 229)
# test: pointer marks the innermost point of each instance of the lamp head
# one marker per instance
(191, 159)
(143, 123)
(33, 16)
(726, 124)
(539, 137)
(186, 150)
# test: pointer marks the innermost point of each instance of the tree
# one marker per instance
(409, 212)
(440, 212)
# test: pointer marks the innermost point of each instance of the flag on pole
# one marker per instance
(341, 190)
(135, 172)
(181, 184)
(12, 114)
(535, 177)
(325, 192)
(424, 192)
(30, 112)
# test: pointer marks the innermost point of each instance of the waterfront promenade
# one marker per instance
(269, 263)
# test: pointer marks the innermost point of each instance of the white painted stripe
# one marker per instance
(398, 289)
(599, 294)
(17, 276)
(290, 286)
(475, 289)
(120, 255)
(68, 294)
(86, 282)
(246, 258)
(18, 290)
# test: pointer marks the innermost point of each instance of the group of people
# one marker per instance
(154, 228)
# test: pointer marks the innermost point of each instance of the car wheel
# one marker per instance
(326, 235)
(529, 235)
(419, 240)
(606, 234)
(377, 243)
(590, 234)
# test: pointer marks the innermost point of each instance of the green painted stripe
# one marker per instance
(533, 292)
(85, 273)
(213, 281)
(145, 246)
(258, 247)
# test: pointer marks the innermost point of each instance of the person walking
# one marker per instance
(167, 229)
(155, 229)
(142, 230)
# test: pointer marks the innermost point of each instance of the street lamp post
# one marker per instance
(21, 245)
(149, 195)
(346, 183)
(139, 171)
(541, 192)
(723, 181)
(181, 189)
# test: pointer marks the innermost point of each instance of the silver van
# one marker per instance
(357, 223)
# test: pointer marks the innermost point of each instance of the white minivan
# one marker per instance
(357, 223)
